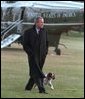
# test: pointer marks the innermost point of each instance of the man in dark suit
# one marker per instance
(35, 44)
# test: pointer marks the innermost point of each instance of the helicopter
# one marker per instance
(59, 17)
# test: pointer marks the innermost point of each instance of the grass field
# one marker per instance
(68, 68)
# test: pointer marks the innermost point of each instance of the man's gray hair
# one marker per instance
(36, 19)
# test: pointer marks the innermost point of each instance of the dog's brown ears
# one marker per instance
(49, 74)
(53, 76)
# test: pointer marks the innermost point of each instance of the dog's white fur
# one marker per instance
(48, 80)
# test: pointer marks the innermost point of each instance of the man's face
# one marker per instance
(40, 23)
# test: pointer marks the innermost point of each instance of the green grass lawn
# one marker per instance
(68, 68)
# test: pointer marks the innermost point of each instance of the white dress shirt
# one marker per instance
(37, 30)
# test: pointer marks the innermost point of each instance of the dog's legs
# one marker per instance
(50, 84)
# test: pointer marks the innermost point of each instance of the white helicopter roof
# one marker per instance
(45, 4)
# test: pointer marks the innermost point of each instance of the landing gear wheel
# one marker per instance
(58, 51)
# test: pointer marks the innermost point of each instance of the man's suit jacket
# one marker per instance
(35, 45)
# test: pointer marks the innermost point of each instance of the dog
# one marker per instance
(48, 80)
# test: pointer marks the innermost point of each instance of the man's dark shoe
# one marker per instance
(43, 92)
(27, 89)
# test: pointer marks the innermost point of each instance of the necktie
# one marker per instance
(38, 31)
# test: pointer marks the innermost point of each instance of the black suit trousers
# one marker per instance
(38, 82)
(36, 74)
